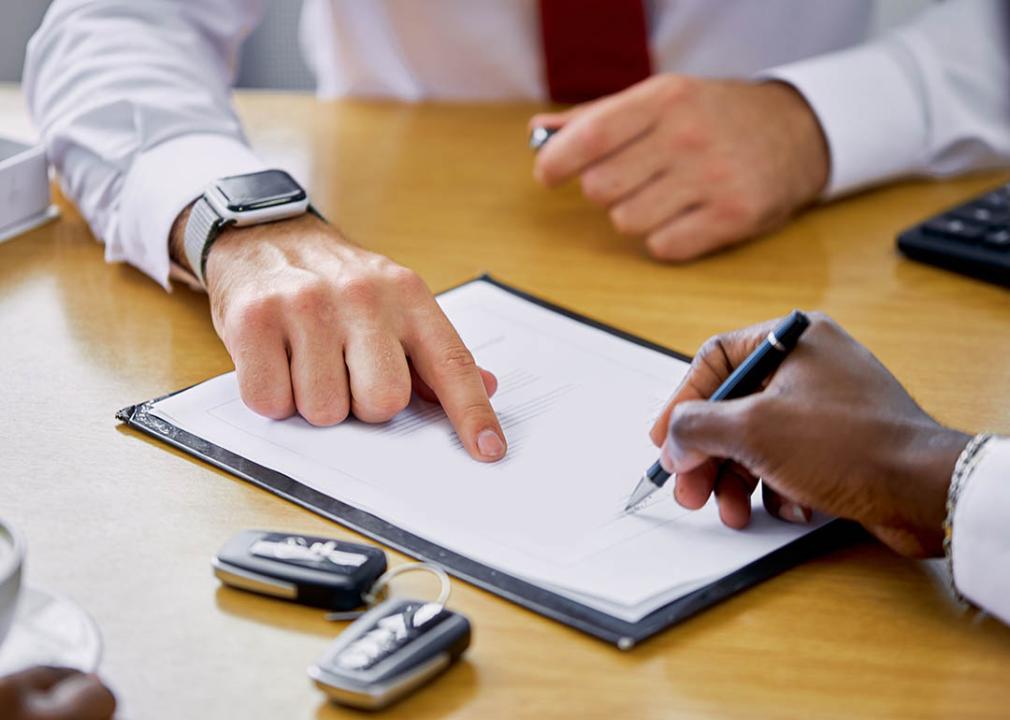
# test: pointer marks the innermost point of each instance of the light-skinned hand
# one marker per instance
(46, 693)
(319, 326)
(832, 431)
(691, 165)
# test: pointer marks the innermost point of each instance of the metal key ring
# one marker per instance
(381, 587)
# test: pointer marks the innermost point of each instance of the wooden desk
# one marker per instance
(128, 528)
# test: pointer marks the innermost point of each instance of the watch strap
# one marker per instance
(202, 229)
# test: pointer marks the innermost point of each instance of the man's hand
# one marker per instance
(691, 165)
(833, 431)
(319, 326)
(44, 693)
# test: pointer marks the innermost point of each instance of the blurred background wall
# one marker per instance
(270, 57)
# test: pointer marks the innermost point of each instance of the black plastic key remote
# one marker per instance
(389, 651)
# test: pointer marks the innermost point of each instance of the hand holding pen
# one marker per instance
(832, 431)
(745, 379)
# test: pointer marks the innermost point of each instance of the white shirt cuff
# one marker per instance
(866, 101)
(981, 540)
(161, 182)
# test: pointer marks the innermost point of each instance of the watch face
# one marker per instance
(260, 190)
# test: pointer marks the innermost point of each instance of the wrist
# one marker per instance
(231, 237)
(177, 238)
(922, 481)
(811, 158)
(263, 245)
(250, 199)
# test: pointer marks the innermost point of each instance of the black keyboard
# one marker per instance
(973, 238)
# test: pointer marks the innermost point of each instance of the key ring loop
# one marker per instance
(381, 588)
(378, 590)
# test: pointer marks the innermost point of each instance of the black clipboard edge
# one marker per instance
(613, 630)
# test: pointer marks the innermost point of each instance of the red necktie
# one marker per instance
(593, 47)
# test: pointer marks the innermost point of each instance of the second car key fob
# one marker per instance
(317, 571)
(389, 651)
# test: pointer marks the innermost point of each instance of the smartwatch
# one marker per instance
(240, 200)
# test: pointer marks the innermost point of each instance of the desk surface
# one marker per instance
(127, 527)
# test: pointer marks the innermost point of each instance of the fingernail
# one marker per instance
(490, 444)
(792, 512)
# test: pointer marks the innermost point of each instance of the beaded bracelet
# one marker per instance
(963, 469)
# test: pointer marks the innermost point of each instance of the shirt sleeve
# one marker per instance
(981, 540)
(132, 98)
(928, 98)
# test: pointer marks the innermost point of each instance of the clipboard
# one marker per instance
(618, 632)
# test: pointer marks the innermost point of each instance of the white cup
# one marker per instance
(12, 557)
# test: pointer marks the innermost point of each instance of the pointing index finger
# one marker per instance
(444, 363)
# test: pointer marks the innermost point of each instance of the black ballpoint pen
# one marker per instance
(743, 381)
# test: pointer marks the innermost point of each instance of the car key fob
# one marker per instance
(317, 571)
(394, 648)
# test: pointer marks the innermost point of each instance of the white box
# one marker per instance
(24, 188)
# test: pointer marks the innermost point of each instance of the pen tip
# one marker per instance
(642, 490)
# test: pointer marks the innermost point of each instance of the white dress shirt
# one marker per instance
(132, 97)
(981, 540)
(133, 101)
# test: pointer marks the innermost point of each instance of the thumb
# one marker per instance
(698, 431)
(560, 118)
(549, 120)
(714, 362)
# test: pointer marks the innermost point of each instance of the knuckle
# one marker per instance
(458, 360)
(821, 319)
(308, 298)
(739, 210)
(252, 314)
(692, 136)
(713, 358)
(673, 245)
(718, 172)
(394, 398)
(357, 289)
(666, 249)
(713, 348)
(476, 414)
(325, 414)
(822, 325)
(405, 280)
(384, 403)
(594, 137)
(625, 220)
(674, 89)
(263, 400)
(546, 169)
(596, 186)
(682, 424)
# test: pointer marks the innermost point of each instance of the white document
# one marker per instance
(576, 404)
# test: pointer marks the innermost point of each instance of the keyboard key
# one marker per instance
(954, 228)
(998, 239)
(997, 200)
(982, 215)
